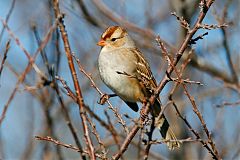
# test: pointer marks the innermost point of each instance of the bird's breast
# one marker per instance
(113, 68)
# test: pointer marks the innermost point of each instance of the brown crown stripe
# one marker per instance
(109, 32)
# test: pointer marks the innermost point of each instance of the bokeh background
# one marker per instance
(35, 109)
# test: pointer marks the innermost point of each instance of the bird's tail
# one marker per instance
(162, 124)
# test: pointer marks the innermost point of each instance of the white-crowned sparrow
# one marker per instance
(126, 72)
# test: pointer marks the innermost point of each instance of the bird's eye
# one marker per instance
(113, 39)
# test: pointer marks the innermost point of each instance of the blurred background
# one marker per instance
(34, 108)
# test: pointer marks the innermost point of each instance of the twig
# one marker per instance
(74, 77)
(213, 26)
(56, 142)
(193, 41)
(50, 139)
(150, 133)
(7, 18)
(49, 126)
(225, 44)
(183, 66)
(69, 91)
(108, 126)
(94, 131)
(41, 99)
(4, 56)
(179, 140)
(182, 21)
(192, 130)
(228, 104)
(55, 87)
(186, 81)
(27, 54)
(87, 15)
(42, 52)
(113, 131)
(30, 63)
(73, 96)
(68, 121)
(195, 109)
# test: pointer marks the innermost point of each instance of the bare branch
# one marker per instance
(4, 56)
(30, 64)
(80, 101)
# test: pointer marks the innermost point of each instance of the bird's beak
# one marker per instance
(101, 43)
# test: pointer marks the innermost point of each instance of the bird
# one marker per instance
(125, 70)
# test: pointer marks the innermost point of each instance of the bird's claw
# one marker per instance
(104, 97)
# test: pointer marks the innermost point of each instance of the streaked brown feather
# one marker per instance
(143, 70)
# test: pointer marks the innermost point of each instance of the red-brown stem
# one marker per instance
(75, 79)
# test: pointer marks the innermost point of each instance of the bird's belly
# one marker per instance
(128, 88)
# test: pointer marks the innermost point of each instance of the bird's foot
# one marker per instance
(104, 97)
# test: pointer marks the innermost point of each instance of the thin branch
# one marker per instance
(68, 121)
(150, 133)
(30, 63)
(42, 52)
(80, 101)
(56, 142)
(145, 108)
(86, 14)
(7, 18)
(60, 99)
(179, 140)
(229, 104)
(4, 56)
(94, 131)
(225, 43)
(182, 21)
(195, 109)
(194, 40)
(213, 26)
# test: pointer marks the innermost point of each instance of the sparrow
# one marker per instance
(127, 73)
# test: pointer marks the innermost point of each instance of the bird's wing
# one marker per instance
(143, 71)
(146, 78)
